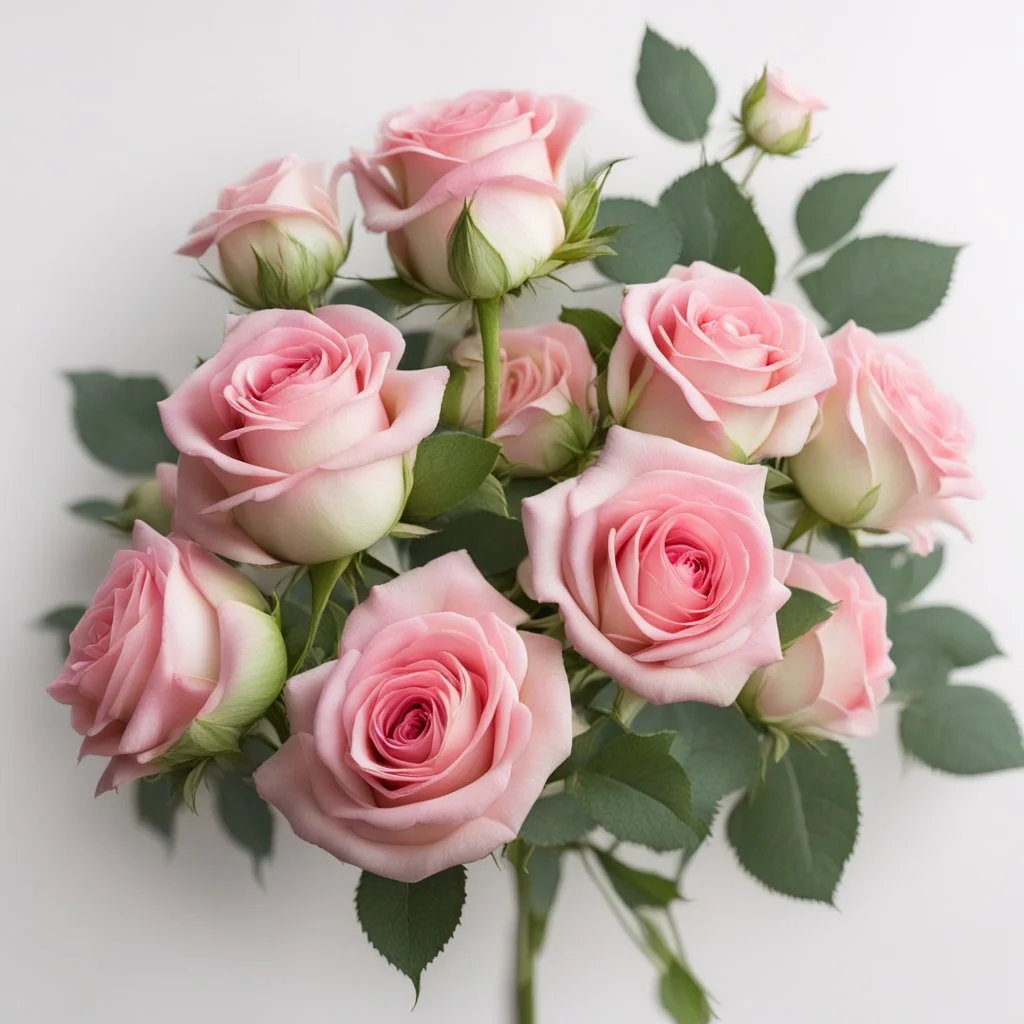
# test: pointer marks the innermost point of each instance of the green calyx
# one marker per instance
(474, 265)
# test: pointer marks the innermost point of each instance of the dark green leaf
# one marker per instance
(800, 614)
(410, 923)
(647, 245)
(796, 830)
(118, 422)
(495, 544)
(960, 636)
(919, 667)
(717, 224)
(964, 730)
(830, 208)
(415, 355)
(545, 870)
(521, 488)
(97, 509)
(639, 793)
(555, 820)
(488, 497)
(682, 996)
(586, 745)
(675, 89)
(884, 283)
(898, 574)
(449, 468)
(365, 296)
(322, 578)
(599, 329)
(156, 805)
(397, 290)
(638, 888)
(63, 620)
(244, 815)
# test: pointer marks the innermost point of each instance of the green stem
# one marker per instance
(524, 951)
(758, 157)
(487, 318)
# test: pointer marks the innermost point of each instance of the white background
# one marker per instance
(119, 120)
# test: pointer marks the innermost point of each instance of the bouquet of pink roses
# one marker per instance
(535, 592)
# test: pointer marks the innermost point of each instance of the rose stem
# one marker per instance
(487, 318)
(524, 950)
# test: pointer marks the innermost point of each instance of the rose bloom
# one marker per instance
(547, 404)
(660, 559)
(502, 152)
(706, 359)
(777, 116)
(429, 739)
(282, 214)
(298, 437)
(173, 637)
(892, 449)
(833, 678)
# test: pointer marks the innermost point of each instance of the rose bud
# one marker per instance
(146, 501)
(776, 116)
(277, 234)
(834, 677)
(892, 450)
(297, 438)
(706, 359)
(547, 406)
(175, 658)
(660, 559)
(429, 739)
(467, 189)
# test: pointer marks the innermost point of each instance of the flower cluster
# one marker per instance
(500, 582)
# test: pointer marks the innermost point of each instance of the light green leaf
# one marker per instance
(118, 422)
(639, 793)
(964, 730)
(883, 283)
(795, 831)
(682, 996)
(647, 245)
(638, 888)
(322, 578)
(555, 820)
(675, 89)
(800, 614)
(830, 208)
(410, 923)
(156, 805)
(449, 467)
(488, 497)
(245, 817)
(717, 224)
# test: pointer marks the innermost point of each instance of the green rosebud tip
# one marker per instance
(475, 266)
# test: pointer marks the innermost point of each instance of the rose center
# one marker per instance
(692, 564)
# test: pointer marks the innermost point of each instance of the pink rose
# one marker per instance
(429, 739)
(501, 152)
(548, 405)
(298, 437)
(660, 559)
(777, 116)
(892, 449)
(281, 215)
(833, 679)
(175, 655)
(706, 359)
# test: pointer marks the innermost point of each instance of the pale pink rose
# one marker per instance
(892, 449)
(173, 637)
(833, 678)
(660, 559)
(283, 214)
(777, 116)
(501, 152)
(429, 739)
(706, 359)
(297, 438)
(547, 405)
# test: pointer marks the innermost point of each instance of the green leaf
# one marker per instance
(599, 329)
(63, 620)
(118, 422)
(397, 290)
(245, 817)
(495, 544)
(717, 224)
(961, 637)
(675, 89)
(96, 509)
(884, 283)
(363, 295)
(647, 245)
(897, 573)
(800, 614)
(717, 746)
(796, 830)
(415, 355)
(638, 888)
(323, 578)
(829, 210)
(555, 820)
(449, 468)
(682, 996)
(586, 746)
(545, 870)
(964, 730)
(488, 497)
(639, 793)
(156, 805)
(410, 923)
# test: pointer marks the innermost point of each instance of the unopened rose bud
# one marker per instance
(776, 116)
(145, 502)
